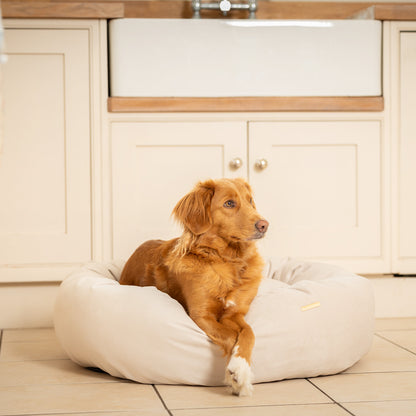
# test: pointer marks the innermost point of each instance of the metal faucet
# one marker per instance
(225, 6)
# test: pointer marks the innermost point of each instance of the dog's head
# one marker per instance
(224, 207)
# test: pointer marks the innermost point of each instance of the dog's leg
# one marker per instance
(238, 372)
(236, 339)
(222, 335)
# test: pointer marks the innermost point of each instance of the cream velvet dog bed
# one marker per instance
(309, 319)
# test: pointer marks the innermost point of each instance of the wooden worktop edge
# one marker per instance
(62, 10)
(243, 104)
(182, 9)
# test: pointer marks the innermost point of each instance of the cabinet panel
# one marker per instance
(32, 171)
(405, 261)
(45, 215)
(321, 190)
(155, 164)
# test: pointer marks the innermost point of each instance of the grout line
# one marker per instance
(1, 339)
(314, 385)
(163, 402)
(394, 343)
(353, 373)
(344, 408)
(253, 406)
(329, 397)
(380, 401)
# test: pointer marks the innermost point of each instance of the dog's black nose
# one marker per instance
(262, 226)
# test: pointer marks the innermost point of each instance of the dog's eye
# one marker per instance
(229, 204)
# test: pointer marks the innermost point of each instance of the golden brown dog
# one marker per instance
(213, 269)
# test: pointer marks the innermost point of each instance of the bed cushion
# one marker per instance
(309, 319)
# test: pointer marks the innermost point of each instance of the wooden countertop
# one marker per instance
(109, 9)
(245, 104)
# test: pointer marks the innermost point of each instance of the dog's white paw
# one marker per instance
(238, 375)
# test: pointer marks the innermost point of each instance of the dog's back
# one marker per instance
(146, 266)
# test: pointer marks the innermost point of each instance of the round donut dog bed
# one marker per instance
(309, 319)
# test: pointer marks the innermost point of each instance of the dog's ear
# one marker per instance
(194, 209)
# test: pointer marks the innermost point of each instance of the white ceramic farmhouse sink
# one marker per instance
(217, 58)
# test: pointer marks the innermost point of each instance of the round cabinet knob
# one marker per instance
(236, 163)
(261, 164)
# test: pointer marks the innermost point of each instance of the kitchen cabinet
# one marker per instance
(403, 105)
(45, 159)
(320, 191)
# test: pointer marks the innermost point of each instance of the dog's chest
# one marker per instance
(225, 277)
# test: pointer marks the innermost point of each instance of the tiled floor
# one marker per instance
(36, 377)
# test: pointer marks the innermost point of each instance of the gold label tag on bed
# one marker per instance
(310, 306)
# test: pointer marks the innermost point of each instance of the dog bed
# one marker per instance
(309, 319)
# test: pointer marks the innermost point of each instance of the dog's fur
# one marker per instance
(213, 269)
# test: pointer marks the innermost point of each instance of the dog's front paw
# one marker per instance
(238, 376)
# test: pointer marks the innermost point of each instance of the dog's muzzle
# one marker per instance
(261, 228)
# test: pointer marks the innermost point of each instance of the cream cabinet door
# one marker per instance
(404, 151)
(45, 215)
(155, 164)
(320, 190)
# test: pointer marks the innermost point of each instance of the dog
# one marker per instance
(213, 269)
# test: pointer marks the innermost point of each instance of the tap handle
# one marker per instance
(225, 6)
(196, 6)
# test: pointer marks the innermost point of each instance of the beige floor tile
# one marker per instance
(394, 324)
(406, 339)
(32, 350)
(73, 398)
(147, 412)
(392, 408)
(37, 334)
(293, 410)
(283, 392)
(48, 372)
(369, 386)
(385, 356)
